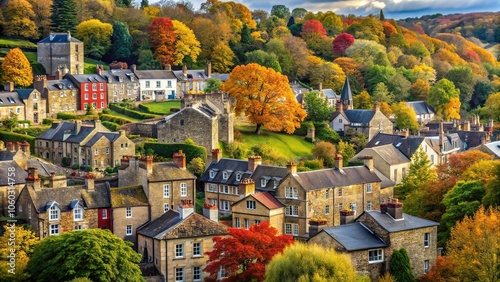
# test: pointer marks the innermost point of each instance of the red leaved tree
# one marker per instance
(312, 28)
(162, 40)
(342, 42)
(245, 253)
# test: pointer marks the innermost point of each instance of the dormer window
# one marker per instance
(212, 174)
(263, 182)
(225, 175)
(238, 176)
(78, 213)
(54, 212)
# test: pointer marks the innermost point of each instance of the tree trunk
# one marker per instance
(257, 128)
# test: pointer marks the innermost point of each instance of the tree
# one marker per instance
(381, 16)
(331, 22)
(64, 16)
(222, 58)
(96, 37)
(11, 121)
(269, 60)
(464, 80)
(245, 253)
(365, 51)
(197, 166)
(316, 106)
(474, 247)
(441, 93)
(329, 74)
(147, 61)
(162, 40)
(312, 29)
(41, 8)
(419, 90)
(17, 69)
(405, 117)
(492, 107)
(96, 254)
(265, 97)
(347, 151)
(400, 267)
(23, 243)
(382, 94)
(213, 85)
(280, 11)
(342, 42)
(442, 271)
(19, 22)
(187, 47)
(326, 152)
(420, 172)
(492, 195)
(450, 110)
(277, 47)
(363, 101)
(482, 90)
(311, 262)
(122, 42)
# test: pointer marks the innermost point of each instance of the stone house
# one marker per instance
(61, 50)
(372, 237)
(28, 104)
(70, 143)
(121, 84)
(256, 208)
(177, 242)
(156, 85)
(92, 90)
(204, 118)
(59, 208)
(11, 103)
(129, 211)
(165, 184)
(192, 81)
(59, 94)
(424, 112)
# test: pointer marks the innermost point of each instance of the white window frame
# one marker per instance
(427, 240)
(340, 192)
(426, 266)
(327, 209)
(54, 229)
(368, 187)
(225, 205)
(78, 213)
(369, 205)
(166, 190)
(247, 223)
(197, 249)
(179, 274)
(375, 256)
(225, 175)
(166, 207)
(128, 230)
(291, 192)
(128, 212)
(179, 251)
(54, 213)
(197, 273)
(212, 174)
(251, 205)
(340, 206)
(183, 189)
(104, 214)
(237, 222)
(292, 210)
(263, 182)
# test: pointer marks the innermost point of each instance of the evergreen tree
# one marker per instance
(400, 266)
(121, 47)
(246, 36)
(64, 16)
(382, 17)
(144, 4)
(420, 172)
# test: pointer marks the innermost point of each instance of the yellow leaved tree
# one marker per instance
(20, 240)
(16, 68)
(186, 44)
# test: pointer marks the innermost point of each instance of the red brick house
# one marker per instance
(93, 90)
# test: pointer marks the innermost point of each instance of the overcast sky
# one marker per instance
(395, 9)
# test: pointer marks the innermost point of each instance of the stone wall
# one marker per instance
(64, 100)
(140, 215)
(380, 123)
(157, 201)
(145, 129)
(54, 55)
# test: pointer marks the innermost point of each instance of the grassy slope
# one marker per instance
(117, 114)
(162, 107)
(6, 42)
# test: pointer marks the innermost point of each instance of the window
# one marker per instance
(94, 105)
(251, 205)
(222, 272)
(368, 187)
(256, 221)
(94, 86)
(340, 206)
(340, 192)
(212, 174)
(29, 211)
(129, 230)
(353, 207)
(158, 84)
(148, 84)
(197, 249)
(166, 207)
(238, 176)
(169, 83)
(237, 222)
(179, 250)
(107, 150)
(247, 223)
(182, 122)
(340, 120)
(427, 239)
(104, 214)
(327, 209)
(86, 87)
(375, 256)
(224, 189)
(225, 175)
(78, 213)
(426, 266)
(197, 273)
(395, 175)
(292, 229)
(369, 205)
(179, 274)
(183, 189)
(54, 213)
(102, 95)
(166, 191)
(86, 96)
(327, 194)
(382, 201)
(101, 87)
(85, 106)
(54, 229)
(263, 182)
(291, 192)
(94, 96)
(102, 105)
(96, 152)
(18, 110)
(292, 210)
(212, 187)
(128, 212)
(224, 205)
(78, 227)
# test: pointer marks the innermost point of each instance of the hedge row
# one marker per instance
(7, 136)
(131, 113)
(111, 125)
(65, 116)
(148, 110)
(115, 119)
(167, 150)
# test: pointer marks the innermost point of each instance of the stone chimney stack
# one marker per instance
(17, 146)
(185, 208)
(184, 69)
(339, 161)
(208, 69)
(395, 209)
(33, 178)
(246, 187)
(211, 212)
(133, 68)
(368, 162)
(441, 136)
(8, 86)
(346, 216)
(98, 69)
(180, 159)
(10, 146)
(168, 67)
(315, 226)
(25, 147)
(78, 126)
(146, 162)
(339, 107)
(320, 87)
(291, 167)
(376, 107)
(89, 182)
(57, 181)
(59, 73)
(40, 82)
(467, 125)
(253, 162)
(216, 155)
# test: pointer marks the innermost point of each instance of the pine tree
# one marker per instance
(382, 17)
(420, 172)
(400, 266)
(64, 16)
(121, 47)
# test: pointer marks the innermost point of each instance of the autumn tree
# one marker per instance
(311, 262)
(419, 90)
(312, 29)
(441, 271)
(405, 117)
(367, 51)
(96, 37)
(63, 16)
(450, 110)
(41, 9)
(474, 247)
(382, 94)
(492, 107)
(18, 16)
(268, 60)
(363, 101)
(162, 40)
(326, 152)
(265, 97)
(187, 47)
(23, 243)
(400, 266)
(244, 254)
(222, 58)
(277, 47)
(280, 11)
(329, 74)
(492, 195)
(347, 151)
(420, 172)
(121, 47)
(464, 81)
(96, 254)
(17, 69)
(342, 42)
(441, 94)
(213, 85)
(299, 52)
(331, 22)
(316, 106)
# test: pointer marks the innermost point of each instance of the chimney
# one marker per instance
(320, 87)
(185, 208)
(376, 107)
(339, 162)
(216, 155)
(383, 208)
(346, 216)
(122, 132)
(180, 159)
(8, 86)
(89, 182)
(211, 212)
(368, 161)
(340, 107)
(395, 209)
(467, 125)
(97, 124)
(17, 146)
(59, 74)
(98, 69)
(441, 136)
(33, 178)
(25, 147)
(78, 126)
(168, 67)
(208, 69)
(10, 146)
(316, 225)
(184, 69)
(133, 68)
(57, 181)
(253, 162)
(40, 83)
(146, 162)
(291, 167)
(246, 187)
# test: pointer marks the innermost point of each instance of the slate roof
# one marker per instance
(154, 74)
(63, 84)
(203, 109)
(19, 176)
(99, 198)
(59, 38)
(492, 148)
(355, 236)
(384, 180)
(270, 174)
(232, 166)
(24, 93)
(325, 178)
(171, 226)
(268, 200)
(7, 155)
(346, 91)
(406, 145)
(420, 107)
(86, 78)
(64, 131)
(359, 116)
(388, 153)
(221, 76)
(128, 197)
(330, 94)
(45, 168)
(110, 135)
(191, 75)
(408, 222)
(8, 99)
(113, 76)
(470, 139)
(168, 170)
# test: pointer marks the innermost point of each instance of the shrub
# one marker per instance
(75, 166)
(6, 136)
(89, 169)
(111, 125)
(131, 113)
(65, 116)
(110, 169)
(106, 111)
(235, 150)
(167, 150)
(48, 121)
(24, 121)
(325, 133)
(174, 109)
(117, 120)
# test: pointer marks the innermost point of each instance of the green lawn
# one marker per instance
(90, 64)
(117, 114)
(13, 43)
(32, 58)
(291, 146)
(162, 107)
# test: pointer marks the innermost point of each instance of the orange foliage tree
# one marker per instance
(441, 271)
(17, 69)
(162, 40)
(245, 253)
(265, 97)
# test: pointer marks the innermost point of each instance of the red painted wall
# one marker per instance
(100, 95)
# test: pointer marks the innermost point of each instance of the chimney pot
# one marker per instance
(291, 167)
(216, 155)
